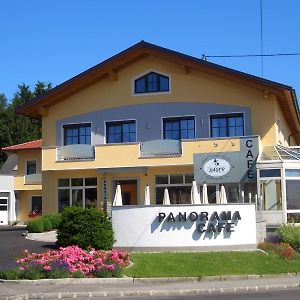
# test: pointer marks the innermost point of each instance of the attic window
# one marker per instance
(151, 83)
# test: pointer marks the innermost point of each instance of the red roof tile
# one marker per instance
(24, 146)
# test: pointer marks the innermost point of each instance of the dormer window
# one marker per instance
(151, 83)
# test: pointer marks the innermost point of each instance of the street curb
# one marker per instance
(129, 280)
(153, 292)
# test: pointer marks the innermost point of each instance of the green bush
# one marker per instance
(35, 225)
(47, 224)
(54, 218)
(85, 228)
(58, 273)
(32, 274)
(10, 274)
(290, 233)
(104, 273)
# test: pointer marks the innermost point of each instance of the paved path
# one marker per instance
(12, 243)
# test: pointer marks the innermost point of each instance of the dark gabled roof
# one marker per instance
(285, 94)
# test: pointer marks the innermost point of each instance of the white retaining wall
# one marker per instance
(231, 226)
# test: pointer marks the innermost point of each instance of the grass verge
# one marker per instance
(195, 264)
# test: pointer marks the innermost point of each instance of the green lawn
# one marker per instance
(207, 264)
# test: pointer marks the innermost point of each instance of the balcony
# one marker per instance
(160, 148)
(151, 153)
(76, 152)
(33, 179)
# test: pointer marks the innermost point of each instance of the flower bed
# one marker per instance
(70, 261)
(35, 213)
(284, 250)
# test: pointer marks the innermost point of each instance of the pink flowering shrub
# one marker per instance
(74, 260)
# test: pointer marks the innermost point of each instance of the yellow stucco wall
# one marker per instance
(195, 86)
(282, 129)
(23, 156)
(25, 203)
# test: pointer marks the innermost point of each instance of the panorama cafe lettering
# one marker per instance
(216, 222)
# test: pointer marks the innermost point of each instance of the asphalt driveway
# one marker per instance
(12, 244)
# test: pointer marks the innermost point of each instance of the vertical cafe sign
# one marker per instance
(222, 167)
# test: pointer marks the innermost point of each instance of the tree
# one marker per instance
(15, 128)
(5, 138)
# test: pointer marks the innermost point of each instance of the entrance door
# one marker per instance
(129, 191)
(212, 193)
(3, 211)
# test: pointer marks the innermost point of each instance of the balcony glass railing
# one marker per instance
(160, 148)
(33, 179)
(76, 152)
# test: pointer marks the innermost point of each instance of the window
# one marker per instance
(292, 194)
(292, 173)
(227, 125)
(30, 167)
(151, 83)
(179, 187)
(77, 191)
(36, 204)
(77, 134)
(120, 132)
(270, 173)
(179, 128)
(271, 191)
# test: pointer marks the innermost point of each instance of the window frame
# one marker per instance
(31, 202)
(71, 188)
(179, 118)
(26, 166)
(169, 184)
(120, 122)
(226, 116)
(78, 126)
(134, 93)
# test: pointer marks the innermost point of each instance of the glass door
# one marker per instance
(212, 193)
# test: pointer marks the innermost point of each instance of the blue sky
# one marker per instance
(54, 40)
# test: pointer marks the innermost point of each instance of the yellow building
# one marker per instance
(153, 116)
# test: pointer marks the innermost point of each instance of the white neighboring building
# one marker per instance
(7, 195)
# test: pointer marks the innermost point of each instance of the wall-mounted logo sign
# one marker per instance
(216, 167)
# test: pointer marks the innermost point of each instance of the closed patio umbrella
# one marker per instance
(204, 194)
(242, 197)
(166, 200)
(147, 195)
(223, 197)
(118, 196)
(195, 197)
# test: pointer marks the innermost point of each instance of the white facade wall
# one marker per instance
(7, 190)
